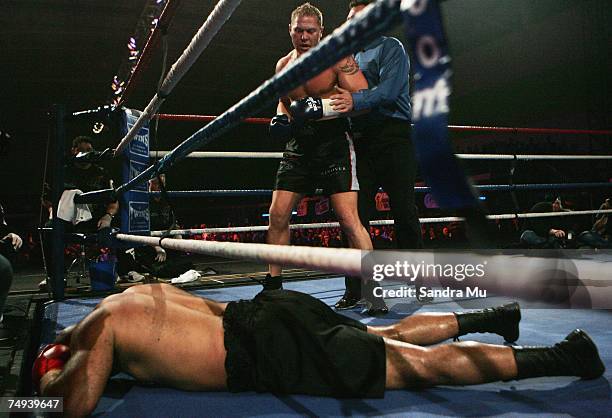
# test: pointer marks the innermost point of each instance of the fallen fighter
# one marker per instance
(287, 342)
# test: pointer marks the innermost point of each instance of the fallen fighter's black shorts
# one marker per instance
(287, 342)
(320, 156)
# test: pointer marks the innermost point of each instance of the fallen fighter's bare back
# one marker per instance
(161, 341)
(157, 334)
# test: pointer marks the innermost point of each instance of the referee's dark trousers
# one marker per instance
(386, 157)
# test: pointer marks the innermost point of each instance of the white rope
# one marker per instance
(341, 260)
(278, 155)
(513, 274)
(530, 157)
(263, 228)
(383, 222)
(563, 157)
(220, 14)
(211, 154)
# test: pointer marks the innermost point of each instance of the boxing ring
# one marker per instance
(550, 396)
(542, 396)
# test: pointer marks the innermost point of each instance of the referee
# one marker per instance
(385, 154)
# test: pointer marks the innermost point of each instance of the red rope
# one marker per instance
(456, 128)
(204, 118)
(538, 131)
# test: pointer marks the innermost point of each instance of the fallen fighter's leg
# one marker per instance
(469, 363)
(434, 327)
(413, 367)
(171, 293)
(161, 343)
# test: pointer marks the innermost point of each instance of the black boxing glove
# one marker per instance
(311, 108)
(308, 108)
(281, 128)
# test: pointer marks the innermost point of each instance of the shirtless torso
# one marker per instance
(153, 344)
(142, 332)
(345, 74)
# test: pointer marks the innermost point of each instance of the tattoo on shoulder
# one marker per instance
(349, 66)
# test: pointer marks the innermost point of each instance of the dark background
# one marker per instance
(537, 63)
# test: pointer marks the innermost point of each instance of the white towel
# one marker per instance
(71, 212)
(188, 276)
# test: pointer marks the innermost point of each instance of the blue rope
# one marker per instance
(216, 193)
(541, 186)
(418, 189)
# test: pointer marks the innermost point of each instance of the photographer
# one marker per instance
(83, 173)
(9, 245)
(154, 260)
(546, 232)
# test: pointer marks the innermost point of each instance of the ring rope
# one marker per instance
(225, 154)
(345, 261)
(207, 118)
(382, 222)
(513, 274)
(538, 131)
(417, 189)
(220, 14)
(456, 128)
(278, 155)
(527, 157)
(510, 274)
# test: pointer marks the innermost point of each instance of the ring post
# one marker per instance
(57, 238)
(135, 218)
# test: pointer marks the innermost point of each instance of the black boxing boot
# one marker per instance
(347, 301)
(352, 294)
(272, 282)
(503, 320)
(376, 307)
(576, 355)
(375, 303)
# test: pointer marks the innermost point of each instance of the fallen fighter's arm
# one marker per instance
(82, 378)
(65, 335)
